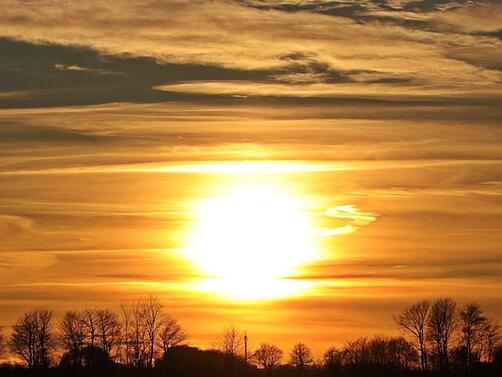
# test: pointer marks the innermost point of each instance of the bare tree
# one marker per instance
(356, 352)
(401, 353)
(23, 339)
(90, 321)
(126, 336)
(441, 326)
(151, 308)
(46, 338)
(301, 356)
(472, 324)
(268, 356)
(135, 335)
(72, 335)
(490, 339)
(108, 331)
(32, 338)
(413, 320)
(171, 333)
(231, 341)
(333, 360)
(382, 351)
(394, 352)
(333, 356)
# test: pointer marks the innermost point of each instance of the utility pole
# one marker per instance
(246, 347)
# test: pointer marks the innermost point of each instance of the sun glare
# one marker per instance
(250, 241)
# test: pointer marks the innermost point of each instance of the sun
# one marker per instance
(251, 241)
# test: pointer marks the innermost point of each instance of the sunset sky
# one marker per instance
(299, 169)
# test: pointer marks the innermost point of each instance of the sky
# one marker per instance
(379, 122)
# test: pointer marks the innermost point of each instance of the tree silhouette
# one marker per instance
(268, 356)
(72, 336)
(94, 339)
(135, 335)
(108, 330)
(151, 309)
(333, 359)
(355, 352)
(32, 338)
(147, 331)
(231, 341)
(472, 324)
(300, 357)
(490, 339)
(390, 352)
(90, 321)
(441, 326)
(413, 320)
(171, 333)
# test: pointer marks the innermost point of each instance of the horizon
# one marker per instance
(302, 170)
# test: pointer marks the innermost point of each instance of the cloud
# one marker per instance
(323, 90)
(78, 68)
(358, 219)
(10, 225)
(17, 94)
(194, 138)
(340, 44)
(55, 75)
(483, 18)
(42, 134)
(406, 268)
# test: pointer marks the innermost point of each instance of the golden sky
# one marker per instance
(351, 148)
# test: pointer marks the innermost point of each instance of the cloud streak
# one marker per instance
(352, 90)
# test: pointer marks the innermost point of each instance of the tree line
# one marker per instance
(438, 339)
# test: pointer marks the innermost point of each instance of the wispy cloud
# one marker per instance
(358, 219)
(352, 90)
(78, 68)
(339, 43)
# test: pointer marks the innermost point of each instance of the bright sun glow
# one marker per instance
(250, 241)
